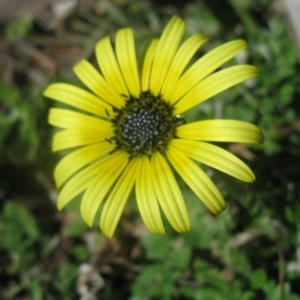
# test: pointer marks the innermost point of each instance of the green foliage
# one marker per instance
(30, 265)
(167, 254)
(19, 28)
(258, 279)
(20, 235)
(19, 137)
(65, 278)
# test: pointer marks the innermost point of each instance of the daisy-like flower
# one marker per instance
(129, 129)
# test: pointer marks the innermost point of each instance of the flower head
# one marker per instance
(129, 129)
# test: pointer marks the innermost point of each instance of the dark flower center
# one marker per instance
(144, 125)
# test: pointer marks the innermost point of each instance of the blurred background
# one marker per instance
(250, 251)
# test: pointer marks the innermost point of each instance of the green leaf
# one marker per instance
(66, 276)
(20, 27)
(258, 278)
(81, 253)
(19, 229)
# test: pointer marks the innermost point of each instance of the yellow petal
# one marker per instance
(166, 49)
(96, 83)
(76, 160)
(197, 180)
(215, 84)
(125, 51)
(78, 98)
(146, 198)
(147, 65)
(181, 59)
(206, 65)
(221, 131)
(65, 118)
(215, 157)
(109, 66)
(69, 138)
(117, 199)
(77, 184)
(169, 194)
(111, 169)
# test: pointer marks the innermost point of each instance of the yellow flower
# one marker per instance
(130, 128)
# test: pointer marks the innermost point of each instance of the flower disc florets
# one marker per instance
(144, 125)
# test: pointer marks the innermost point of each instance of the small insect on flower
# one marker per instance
(129, 128)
